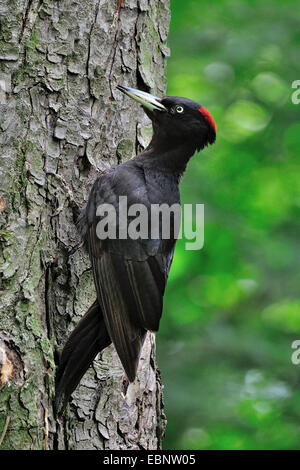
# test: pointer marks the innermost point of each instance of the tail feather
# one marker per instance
(88, 338)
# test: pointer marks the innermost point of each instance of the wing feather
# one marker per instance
(130, 275)
(127, 336)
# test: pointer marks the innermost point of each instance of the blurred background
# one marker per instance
(232, 309)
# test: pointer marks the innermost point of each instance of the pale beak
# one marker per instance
(145, 99)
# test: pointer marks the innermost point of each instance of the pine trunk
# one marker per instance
(62, 120)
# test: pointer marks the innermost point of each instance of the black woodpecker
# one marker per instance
(130, 275)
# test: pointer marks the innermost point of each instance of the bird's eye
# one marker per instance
(179, 109)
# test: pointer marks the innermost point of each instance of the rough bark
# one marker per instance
(62, 120)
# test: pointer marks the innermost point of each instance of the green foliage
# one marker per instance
(232, 309)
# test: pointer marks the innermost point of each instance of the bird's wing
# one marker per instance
(130, 275)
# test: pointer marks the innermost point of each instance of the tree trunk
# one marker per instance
(62, 120)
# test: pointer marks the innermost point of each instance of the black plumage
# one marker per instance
(130, 275)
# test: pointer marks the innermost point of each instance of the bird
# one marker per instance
(130, 274)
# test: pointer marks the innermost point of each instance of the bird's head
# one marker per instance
(176, 120)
